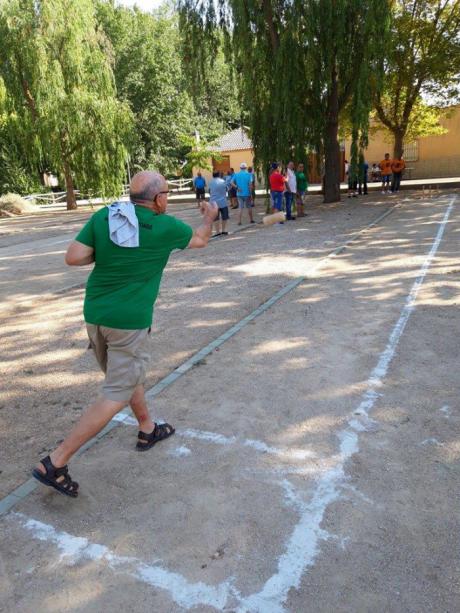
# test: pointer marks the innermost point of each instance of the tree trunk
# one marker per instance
(69, 188)
(331, 145)
(273, 33)
(399, 144)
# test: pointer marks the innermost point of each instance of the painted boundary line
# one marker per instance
(21, 492)
(304, 544)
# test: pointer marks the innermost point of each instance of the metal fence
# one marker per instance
(180, 184)
(51, 199)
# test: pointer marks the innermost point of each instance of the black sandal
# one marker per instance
(52, 478)
(160, 432)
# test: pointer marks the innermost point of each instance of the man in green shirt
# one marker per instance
(130, 244)
(302, 188)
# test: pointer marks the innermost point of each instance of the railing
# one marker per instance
(180, 184)
(55, 198)
(48, 198)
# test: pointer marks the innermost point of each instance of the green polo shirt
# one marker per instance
(302, 183)
(124, 283)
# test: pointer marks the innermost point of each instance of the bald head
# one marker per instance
(146, 185)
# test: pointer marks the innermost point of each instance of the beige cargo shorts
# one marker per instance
(123, 355)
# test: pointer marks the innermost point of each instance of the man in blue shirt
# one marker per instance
(218, 194)
(199, 183)
(231, 191)
(243, 181)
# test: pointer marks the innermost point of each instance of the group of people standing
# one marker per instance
(389, 171)
(357, 179)
(290, 184)
(288, 187)
(236, 188)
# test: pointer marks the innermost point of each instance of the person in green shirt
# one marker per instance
(302, 188)
(129, 244)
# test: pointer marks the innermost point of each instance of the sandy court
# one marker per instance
(49, 376)
(278, 492)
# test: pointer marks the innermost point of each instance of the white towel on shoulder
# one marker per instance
(123, 224)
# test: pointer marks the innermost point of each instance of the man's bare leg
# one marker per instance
(141, 411)
(151, 432)
(90, 423)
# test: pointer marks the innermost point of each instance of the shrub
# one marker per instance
(13, 204)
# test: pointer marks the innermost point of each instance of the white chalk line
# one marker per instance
(74, 549)
(431, 441)
(303, 545)
(220, 439)
(446, 410)
(375, 380)
(180, 452)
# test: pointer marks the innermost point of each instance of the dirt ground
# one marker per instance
(278, 492)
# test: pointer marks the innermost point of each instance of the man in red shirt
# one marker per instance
(277, 187)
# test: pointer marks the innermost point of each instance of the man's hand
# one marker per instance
(209, 210)
(202, 234)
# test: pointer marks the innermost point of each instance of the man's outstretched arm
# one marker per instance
(203, 233)
(79, 254)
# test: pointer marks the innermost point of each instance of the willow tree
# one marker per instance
(61, 91)
(422, 62)
(16, 174)
(300, 65)
(149, 76)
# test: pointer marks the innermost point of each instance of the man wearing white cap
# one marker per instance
(242, 181)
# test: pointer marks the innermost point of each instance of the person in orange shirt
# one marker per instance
(385, 171)
(397, 167)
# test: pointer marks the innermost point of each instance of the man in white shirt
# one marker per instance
(291, 190)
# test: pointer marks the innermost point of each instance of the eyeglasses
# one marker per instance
(163, 192)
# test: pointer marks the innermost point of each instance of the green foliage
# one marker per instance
(298, 65)
(424, 120)
(150, 78)
(199, 155)
(421, 62)
(346, 41)
(86, 85)
(61, 93)
(16, 175)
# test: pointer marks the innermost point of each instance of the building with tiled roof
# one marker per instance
(233, 148)
(236, 140)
